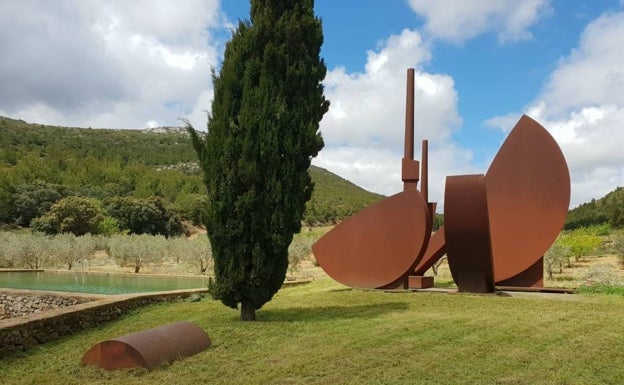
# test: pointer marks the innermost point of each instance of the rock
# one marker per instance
(195, 298)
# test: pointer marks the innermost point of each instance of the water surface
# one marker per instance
(97, 283)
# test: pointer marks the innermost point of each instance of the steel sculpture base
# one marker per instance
(419, 282)
(149, 348)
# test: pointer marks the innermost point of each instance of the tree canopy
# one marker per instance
(41, 164)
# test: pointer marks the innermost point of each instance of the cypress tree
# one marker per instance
(263, 132)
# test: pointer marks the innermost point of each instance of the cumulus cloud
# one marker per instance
(583, 108)
(593, 74)
(364, 128)
(459, 21)
(105, 64)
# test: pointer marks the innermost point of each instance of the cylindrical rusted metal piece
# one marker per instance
(148, 348)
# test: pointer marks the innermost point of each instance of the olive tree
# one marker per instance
(137, 250)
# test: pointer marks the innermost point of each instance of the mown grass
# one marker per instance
(323, 333)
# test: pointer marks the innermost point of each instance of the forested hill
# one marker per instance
(102, 164)
(608, 209)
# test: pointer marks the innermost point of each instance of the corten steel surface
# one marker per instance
(424, 182)
(379, 245)
(528, 193)
(419, 282)
(531, 277)
(435, 250)
(409, 167)
(467, 233)
(148, 348)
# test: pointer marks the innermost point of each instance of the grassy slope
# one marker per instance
(333, 196)
(322, 333)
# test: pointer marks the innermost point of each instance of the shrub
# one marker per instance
(145, 216)
(32, 200)
(73, 214)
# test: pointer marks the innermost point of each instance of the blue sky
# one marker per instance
(480, 64)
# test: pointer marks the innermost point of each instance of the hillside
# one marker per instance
(105, 163)
(608, 209)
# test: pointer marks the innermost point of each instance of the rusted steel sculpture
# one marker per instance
(497, 227)
(528, 193)
(379, 246)
(466, 229)
(149, 348)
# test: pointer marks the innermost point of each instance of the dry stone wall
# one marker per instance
(12, 305)
(25, 332)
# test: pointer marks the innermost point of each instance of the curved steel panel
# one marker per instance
(435, 250)
(378, 245)
(528, 194)
(466, 230)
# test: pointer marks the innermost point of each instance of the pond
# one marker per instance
(98, 283)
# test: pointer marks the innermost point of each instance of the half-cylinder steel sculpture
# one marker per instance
(148, 348)
(497, 226)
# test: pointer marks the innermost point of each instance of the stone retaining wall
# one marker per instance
(12, 305)
(25, 332)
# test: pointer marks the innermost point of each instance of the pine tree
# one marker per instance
(262, 134)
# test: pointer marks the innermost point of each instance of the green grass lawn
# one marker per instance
(323, 333)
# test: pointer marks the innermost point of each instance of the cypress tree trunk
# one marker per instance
(248, 311)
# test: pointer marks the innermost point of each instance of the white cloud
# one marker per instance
(364, 128)
(459, 21)
(592, 74)
(123, 64)
(582, 105)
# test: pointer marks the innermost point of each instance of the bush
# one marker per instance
(193, 207)
(602, 274)
(108, 226)
(32, 200)
(73, 214)
(145, 216)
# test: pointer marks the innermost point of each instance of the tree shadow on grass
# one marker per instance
(329, 313)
